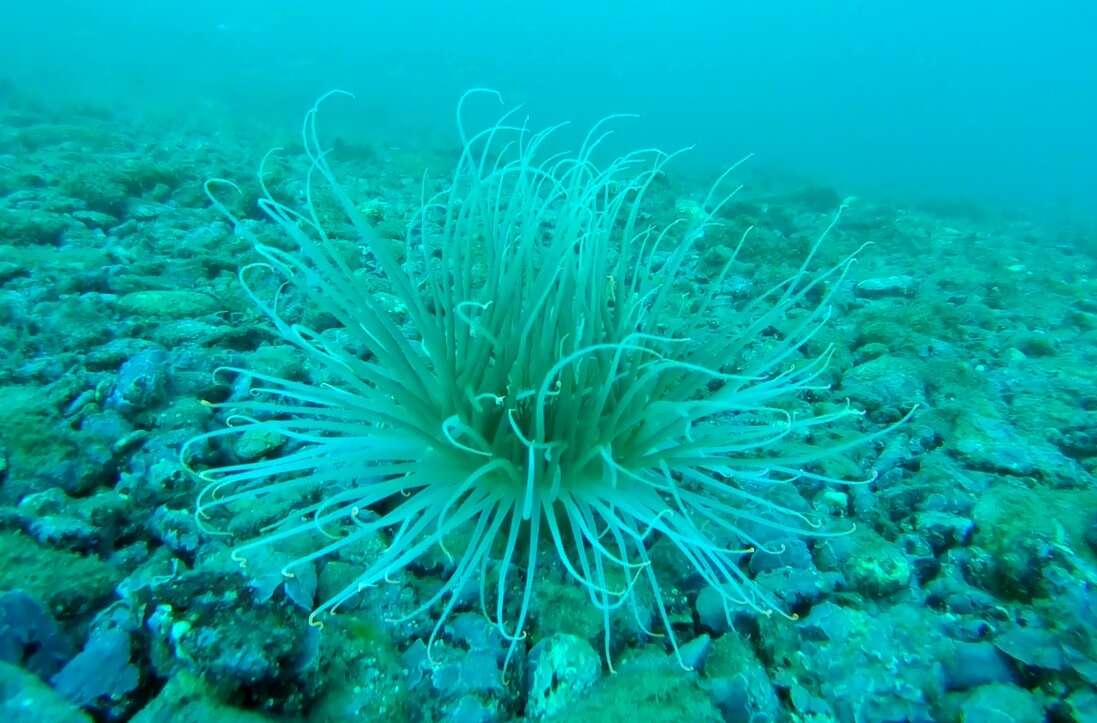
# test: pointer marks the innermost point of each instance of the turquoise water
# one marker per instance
(991, 102)
(436, 417)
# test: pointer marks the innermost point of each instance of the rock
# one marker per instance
(971, 665)
(789, 552)
(826, 621)
(26, 699)
(695, 652)
(101, 675)
(174, 304)
(885, 286)
(1001, 703)
(1032, 647)
(255, 443)
(175, 529)
(561, 669)
(29, 636)
(888, 385)
(944, 530)
(140, 381)
(710, 611)
(878, 568)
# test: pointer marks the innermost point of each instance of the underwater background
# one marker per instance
(955, 139)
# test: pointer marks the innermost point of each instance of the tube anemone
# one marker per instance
(550, 382)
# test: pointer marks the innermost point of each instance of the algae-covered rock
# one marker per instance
(187, 699)
(174, 303)
(69, 584)
(562, 668)
(877, 568)
(645, 693)
(24, 698)
(31, 226)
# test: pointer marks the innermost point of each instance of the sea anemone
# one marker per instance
(537, 372)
